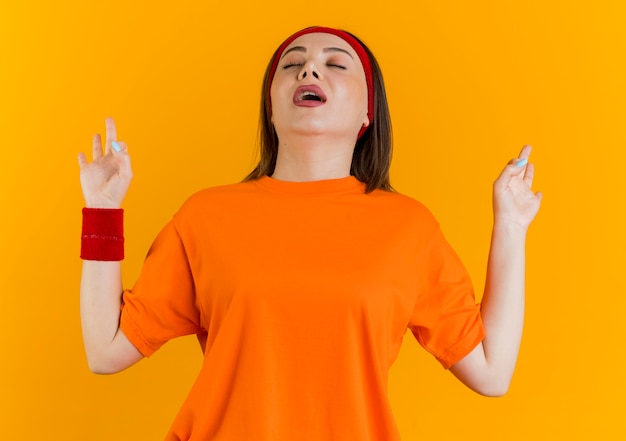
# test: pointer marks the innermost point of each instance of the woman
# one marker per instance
(301, 281)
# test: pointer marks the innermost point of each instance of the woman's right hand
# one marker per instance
(105, 180)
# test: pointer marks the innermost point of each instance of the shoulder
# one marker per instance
(228, 190)
(407, 206)
(209, 205)
(398, 214)
(210, 197)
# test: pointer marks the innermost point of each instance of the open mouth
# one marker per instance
(309, 94)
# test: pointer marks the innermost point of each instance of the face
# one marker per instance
(319, 88)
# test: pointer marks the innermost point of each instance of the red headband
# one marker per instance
(353, 42)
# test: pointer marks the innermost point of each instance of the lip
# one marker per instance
(309, 103)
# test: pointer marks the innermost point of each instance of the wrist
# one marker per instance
(102, 204)
(510, 229)
(102, 236)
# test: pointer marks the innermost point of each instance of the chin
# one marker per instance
(309, 129)
(316, 129)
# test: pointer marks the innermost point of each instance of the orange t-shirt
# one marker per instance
(302, 293)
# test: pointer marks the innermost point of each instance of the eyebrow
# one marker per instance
(326, 49)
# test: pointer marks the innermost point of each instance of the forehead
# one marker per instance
(320, 40)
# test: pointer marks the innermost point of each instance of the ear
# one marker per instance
(366, 122)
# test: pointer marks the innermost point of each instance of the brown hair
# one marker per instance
(372, 153)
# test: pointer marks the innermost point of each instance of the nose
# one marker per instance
(308, 69)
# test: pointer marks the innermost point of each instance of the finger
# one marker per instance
(515, 167)
(525, 152)
(511, 171)
(124, 159)
(96, 146)
(119, 148)
(522, 159)
(111, 134)
(529, 175)
(82, 160)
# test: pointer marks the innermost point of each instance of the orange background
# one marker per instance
(468, 82)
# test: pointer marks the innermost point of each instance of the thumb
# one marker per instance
(119, 146)
(120, 153)
(514, 167)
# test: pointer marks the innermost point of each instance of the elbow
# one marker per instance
(495, 388)
(494, 392)
(100, 365)
(99, 368)
(483, 380)
(106, 359)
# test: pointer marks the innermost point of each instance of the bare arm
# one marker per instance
(488, 369)
(104, 182)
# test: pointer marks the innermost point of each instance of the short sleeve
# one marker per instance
(162, 303)
(446, 320)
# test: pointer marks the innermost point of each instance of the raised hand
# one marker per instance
(105, 180)
(514, 201)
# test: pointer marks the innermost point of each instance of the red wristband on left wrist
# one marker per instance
(103, 234)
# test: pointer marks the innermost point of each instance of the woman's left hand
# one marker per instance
(514, 202)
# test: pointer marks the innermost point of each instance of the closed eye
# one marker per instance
(287, 66)
(336, 65)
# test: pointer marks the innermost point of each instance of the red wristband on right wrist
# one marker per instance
(103, 234)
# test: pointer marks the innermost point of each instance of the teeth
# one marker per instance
(307, 93)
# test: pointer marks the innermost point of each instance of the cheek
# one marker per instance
(274, 103)
(357, 89)
(277, 107)
(357, 95)
(272, 94)
(276, 95)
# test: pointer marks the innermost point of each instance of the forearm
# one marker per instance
(502, 307)
(488, 369)
(100, 301)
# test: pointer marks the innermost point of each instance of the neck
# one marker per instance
(313, 158)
